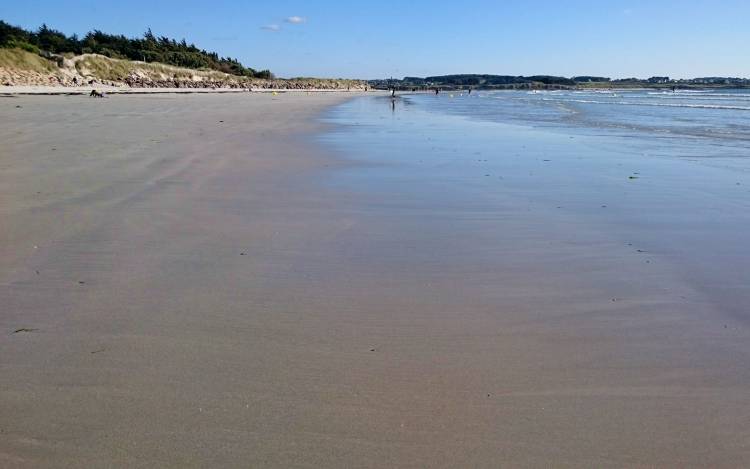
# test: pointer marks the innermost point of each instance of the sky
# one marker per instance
(326, 38)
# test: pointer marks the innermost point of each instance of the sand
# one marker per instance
(189, 292)
(108, 89)
(85, 90)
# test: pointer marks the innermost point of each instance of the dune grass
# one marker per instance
(102, 67)
(105, 68)
(18, 59)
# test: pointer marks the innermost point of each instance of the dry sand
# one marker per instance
(84, 90)
(108, 89)
(193, 296)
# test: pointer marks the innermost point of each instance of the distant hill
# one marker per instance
(550, 82)
(490, 80)
(476, 81)
(147, 49)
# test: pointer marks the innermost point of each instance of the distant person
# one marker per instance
(437, 90)
(469, 90)
(393, 92)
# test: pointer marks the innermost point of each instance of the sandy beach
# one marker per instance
(123, 90)
(179, 287)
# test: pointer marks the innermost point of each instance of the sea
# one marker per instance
(666, 173)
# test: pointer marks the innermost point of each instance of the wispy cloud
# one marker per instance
(274, 28)
(296, 20)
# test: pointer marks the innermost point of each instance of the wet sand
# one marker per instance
(189, 292)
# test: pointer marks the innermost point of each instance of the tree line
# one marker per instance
(149, 48)
(489, 80)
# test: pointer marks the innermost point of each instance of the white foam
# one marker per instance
(631, 103)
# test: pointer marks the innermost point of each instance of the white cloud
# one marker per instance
(274, 28)
(296, 20)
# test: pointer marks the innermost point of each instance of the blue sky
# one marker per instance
(419, 38)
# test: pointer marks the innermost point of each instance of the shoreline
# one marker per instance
(593, 281)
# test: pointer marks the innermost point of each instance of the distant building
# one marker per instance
(658, 80)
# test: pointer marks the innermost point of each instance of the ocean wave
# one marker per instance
(691, 94)
(697, 98)
(670, 95)
(631, 103)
